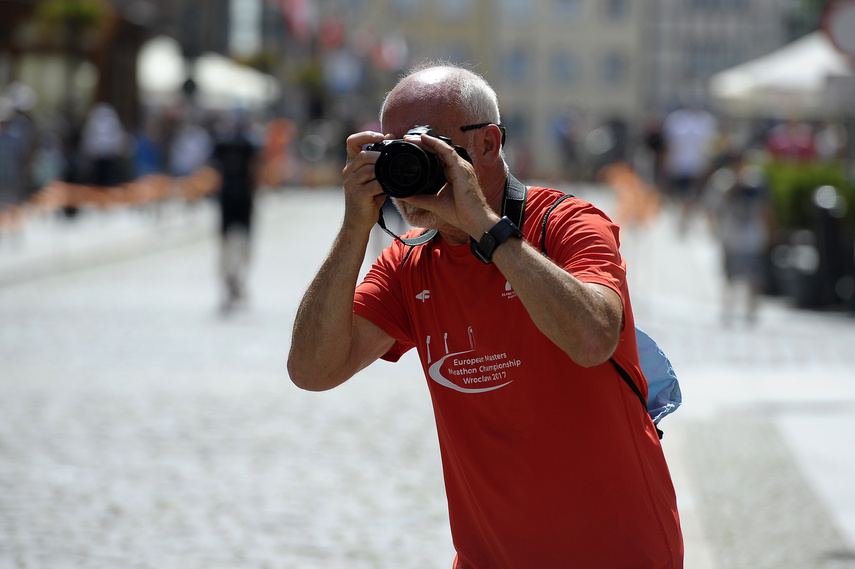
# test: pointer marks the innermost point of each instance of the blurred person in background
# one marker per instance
(104, 143)
(549, 458)
(148, 147)
(235, 157)
(830, 141)
(689, 134)
(18, 138)
(653, 148)
(741, 216)
(49, 161)
(792, 141)
(566, 129)
(189, 148)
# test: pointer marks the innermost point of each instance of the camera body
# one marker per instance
(404, 169)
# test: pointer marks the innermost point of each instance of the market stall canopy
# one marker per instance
(800, 79)
(220, 81)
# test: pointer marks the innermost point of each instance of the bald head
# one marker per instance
(440, 91)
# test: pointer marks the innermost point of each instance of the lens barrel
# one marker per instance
(404, 170)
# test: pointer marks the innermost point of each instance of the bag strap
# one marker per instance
(555, 204)
(637, 391)
(622, 372)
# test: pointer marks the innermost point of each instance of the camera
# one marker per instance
(405, 169)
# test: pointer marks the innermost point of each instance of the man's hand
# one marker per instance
(363, 194)
(461, 203)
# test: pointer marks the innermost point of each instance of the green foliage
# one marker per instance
(265, 60)
(792, 186)
(76, 14)
(805, 16)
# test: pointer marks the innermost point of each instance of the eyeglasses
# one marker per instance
(469, 127)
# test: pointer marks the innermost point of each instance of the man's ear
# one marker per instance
(491, 142)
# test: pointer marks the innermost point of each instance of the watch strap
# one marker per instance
(498, 234)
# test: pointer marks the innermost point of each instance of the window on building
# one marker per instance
(405, 7)
(456, 9)
(707, 59)
(459, 53)
(516, 64)
(616, 10)
(518, 126)
(613, 68)
(517, 9)
(568, 9)
(564, 68)
(354, 6)
(737, 5)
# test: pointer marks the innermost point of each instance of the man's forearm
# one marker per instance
(321, 339)
(582, 319)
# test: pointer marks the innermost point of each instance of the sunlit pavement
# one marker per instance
(142, 428)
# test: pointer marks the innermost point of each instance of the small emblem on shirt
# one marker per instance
(423, 295)
(509, 291)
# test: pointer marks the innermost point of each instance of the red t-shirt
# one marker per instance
(546, 464)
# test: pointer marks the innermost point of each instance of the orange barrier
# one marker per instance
(277, 165)
(57, 195)
(637, 201)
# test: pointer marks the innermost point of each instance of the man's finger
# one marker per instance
(356, 142)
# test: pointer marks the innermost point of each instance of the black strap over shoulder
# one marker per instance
(513, 206)
(555, 204)
(622, 372)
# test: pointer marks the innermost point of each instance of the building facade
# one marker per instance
(691, 40)
(576, 78)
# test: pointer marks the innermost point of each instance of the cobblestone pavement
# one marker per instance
(140, 428)
(763, 449)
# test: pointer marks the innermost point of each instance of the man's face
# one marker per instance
(400, 118)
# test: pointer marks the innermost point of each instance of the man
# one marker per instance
(689, 134)
(235, 156)
(549, 459)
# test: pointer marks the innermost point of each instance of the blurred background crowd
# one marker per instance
(740, 112)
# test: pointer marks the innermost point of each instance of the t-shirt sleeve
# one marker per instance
(584, 242)
(379, 299)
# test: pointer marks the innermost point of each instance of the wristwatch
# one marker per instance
(498, 234)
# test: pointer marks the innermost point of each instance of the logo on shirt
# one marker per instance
(423, 295)
(509, 291)
(467, 372)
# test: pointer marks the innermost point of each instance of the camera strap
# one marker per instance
(513, 207)
(424, 237)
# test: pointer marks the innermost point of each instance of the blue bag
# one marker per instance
(663, 389)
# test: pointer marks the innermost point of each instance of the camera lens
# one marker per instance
(404, 170)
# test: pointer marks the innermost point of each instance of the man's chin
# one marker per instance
(418, 217)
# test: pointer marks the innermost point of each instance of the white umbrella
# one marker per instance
(791, 80)
(220, 81)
